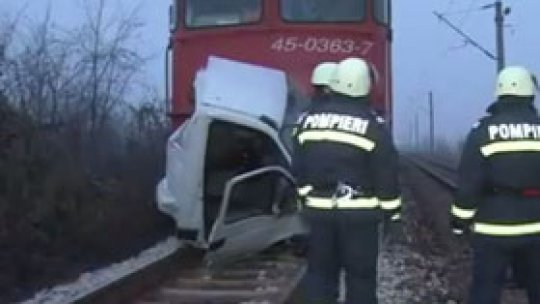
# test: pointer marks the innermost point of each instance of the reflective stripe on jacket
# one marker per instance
(501, 152)
(342, 140)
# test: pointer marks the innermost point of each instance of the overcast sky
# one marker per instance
(427, 54)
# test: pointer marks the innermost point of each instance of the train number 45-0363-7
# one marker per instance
(321, 45)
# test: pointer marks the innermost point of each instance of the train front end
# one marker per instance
(228, 183)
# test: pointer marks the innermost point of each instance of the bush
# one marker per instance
(61, 211)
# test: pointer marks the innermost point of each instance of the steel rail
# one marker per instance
(434, 169)
(183, 277)
(123, 289)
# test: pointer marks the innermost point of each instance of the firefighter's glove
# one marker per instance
(300, 202)
(301, 195)
(392, 225)
(460, 227)
(393, 216)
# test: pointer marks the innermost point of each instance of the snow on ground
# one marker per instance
(406, 277)
(91, 281)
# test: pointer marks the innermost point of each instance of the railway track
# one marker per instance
(445, 175)
(186, 277)
(433, 185)
(443, 172)
(183, 275)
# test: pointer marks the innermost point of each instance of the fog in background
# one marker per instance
(428, 55)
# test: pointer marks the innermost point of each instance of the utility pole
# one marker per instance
(412, 139)
(500, 13)
(431, 124)
(499, 24)
(416, 131)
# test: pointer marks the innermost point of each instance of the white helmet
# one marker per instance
(515, 81)
(352, 78)
(322, 73)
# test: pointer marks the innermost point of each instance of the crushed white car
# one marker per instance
(227, 183)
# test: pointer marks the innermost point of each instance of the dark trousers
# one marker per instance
(341, 240)
(492, 257)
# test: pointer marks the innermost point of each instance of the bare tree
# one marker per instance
(109, 59)
(38, 71)
(75, 77)
(77, 147)
(147, 120)
(7, 28)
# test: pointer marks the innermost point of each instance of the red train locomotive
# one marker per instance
(290, 35)
(234, 68)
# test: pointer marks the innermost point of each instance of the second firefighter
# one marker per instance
(347, 170)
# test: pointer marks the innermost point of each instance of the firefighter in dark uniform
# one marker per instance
(320, 80)
(499, 189)
(347, 172)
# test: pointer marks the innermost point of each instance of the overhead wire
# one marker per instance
(418, 95)
(463, 11)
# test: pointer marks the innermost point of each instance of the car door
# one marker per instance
(258, 206)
